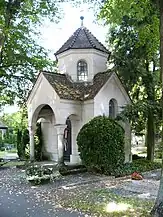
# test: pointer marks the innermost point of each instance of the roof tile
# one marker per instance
(66, 89)
(82, 38)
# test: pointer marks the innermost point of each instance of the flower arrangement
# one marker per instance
(136, 176)
(38, 174)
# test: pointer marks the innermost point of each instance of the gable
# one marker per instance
(112, 89)
(41, 92)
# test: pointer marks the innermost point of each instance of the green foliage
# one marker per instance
(9, 137)
(133, 38)
(140, 165)
(137, 67)
(145, 12)
(21, 57)
(101, 144)
(38, 143)
(39, 174)
(19, 143)
(25, 142)
(16, 121)
(22, 142)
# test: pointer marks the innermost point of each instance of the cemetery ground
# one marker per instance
(84, 194)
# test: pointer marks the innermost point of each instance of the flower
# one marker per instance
(136, 176)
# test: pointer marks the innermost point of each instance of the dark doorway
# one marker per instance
(67, 139)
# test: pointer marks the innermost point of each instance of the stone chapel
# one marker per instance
(82, 88)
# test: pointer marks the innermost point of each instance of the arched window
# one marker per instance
(112, 108)
(82, 70)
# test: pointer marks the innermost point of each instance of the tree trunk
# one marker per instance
(157, 210)
(5, 28)
(150, 136)
(150, 90)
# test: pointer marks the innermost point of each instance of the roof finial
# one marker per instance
(82, 18)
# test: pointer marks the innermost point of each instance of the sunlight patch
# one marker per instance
(34, 186)
(68, 187)
(117, 207)
(144, 195)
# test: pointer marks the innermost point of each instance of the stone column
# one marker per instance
(60, 132)
(31, 140)
(75, 158)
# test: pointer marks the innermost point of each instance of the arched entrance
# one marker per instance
(45, 116)
(67, 140)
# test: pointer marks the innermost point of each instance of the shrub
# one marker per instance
(19, 145)
(139, 165)
(101, 145)
(22, 142)
(39, 174)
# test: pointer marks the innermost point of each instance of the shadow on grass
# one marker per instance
(103, 203)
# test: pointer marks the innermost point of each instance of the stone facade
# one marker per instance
(96, 61)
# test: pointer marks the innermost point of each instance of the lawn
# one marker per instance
(12, 163)
(104, 203)
(2, 153)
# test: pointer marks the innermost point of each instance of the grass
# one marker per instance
(12, 163)
(104, 203)
(2, 153)
(14, 150)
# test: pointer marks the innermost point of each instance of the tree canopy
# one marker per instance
(21, 56)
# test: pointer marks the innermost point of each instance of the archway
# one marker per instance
(46, 117)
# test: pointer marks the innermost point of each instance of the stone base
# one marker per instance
(51, 156)
(54, 157)
(75, 159)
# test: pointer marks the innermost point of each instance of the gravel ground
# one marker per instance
(20, 199)
(144, 189)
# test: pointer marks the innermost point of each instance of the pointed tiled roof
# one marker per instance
(82, 39)
(67, 89)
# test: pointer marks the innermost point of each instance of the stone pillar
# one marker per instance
(60, 132)
(31, 140)
(75, 158)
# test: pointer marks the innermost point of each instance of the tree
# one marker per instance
(18, 123)
(158, 207)
(17, 120)
(132, 62)
(113, 11)
(21, 57)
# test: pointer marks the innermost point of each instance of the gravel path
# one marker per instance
(19, 199)
(144, 189)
